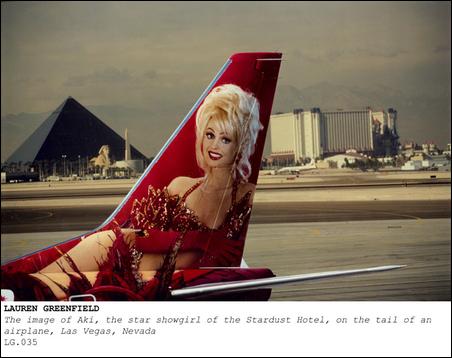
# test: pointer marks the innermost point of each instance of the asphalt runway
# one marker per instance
(422, 245)
(294, 248)
(82, 189)
(49, 219)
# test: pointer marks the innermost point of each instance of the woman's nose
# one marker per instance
(215, 143)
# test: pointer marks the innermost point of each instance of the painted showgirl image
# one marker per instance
(191, 219)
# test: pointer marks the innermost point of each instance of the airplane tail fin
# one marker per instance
(256, 74)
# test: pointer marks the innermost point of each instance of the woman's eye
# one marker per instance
(210, 135)
(226, 140)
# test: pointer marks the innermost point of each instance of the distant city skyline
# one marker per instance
(143, 65)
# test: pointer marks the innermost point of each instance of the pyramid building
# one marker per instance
(72, 132)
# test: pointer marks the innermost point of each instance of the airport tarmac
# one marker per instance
(294, 248)
(422, 245)
(86, 217)
(69, 198)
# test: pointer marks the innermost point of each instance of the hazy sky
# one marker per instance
(160, 56)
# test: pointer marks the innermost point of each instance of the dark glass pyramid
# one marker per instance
(73, 131)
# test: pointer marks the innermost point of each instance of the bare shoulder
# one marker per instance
(180, 185)
(244, 188)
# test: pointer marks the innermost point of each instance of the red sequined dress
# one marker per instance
(166, 220)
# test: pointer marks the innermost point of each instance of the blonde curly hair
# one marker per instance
(237, 112)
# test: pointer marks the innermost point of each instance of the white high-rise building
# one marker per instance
(344, 130)
(307, 139)
(282, 137)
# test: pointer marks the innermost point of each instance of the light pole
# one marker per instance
(64, 164)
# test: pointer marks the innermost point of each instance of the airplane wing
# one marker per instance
(199, 291)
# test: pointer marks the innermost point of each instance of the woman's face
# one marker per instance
(219, 147)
